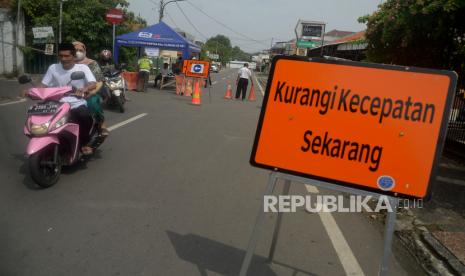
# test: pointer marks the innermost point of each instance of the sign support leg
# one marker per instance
(256, 230)
(388, 235)
(277, 228)
(114, 32)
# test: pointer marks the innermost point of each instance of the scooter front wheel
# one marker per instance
(120, 103)
(44, 170)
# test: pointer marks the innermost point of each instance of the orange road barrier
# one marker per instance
(183, 86)
(179, 84)
(131, 79)
(228, 94)
(196, 96)
(188, 88)
(252, 93)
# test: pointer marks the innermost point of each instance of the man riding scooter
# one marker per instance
(60, 75)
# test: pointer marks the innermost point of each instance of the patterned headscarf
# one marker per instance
(86, 60)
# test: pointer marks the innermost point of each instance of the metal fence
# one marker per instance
(37, 63)
(455, 139)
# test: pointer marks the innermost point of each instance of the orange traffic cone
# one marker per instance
(196, 96)
(228, 94)
(188, 88)
(251, 94)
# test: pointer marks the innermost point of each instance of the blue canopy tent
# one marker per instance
(156, 36)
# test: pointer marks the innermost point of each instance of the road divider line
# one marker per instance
(215, 82)
(342, 248)
(259, 86)
(15, 102)
(130, 120)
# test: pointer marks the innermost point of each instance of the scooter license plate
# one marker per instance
(45, 108)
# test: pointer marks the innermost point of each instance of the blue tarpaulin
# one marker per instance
(156, 36)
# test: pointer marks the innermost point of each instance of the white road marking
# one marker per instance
(342, 248)
(215, 82)
(223, 78)
(15, 102)
(118, 125)
(259, 86)
(312, 189)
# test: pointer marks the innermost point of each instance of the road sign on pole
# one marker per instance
(114, 16)
(306, 44)
(49, 49)
(373, 127)
(196, 68)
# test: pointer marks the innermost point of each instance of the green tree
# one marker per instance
(238, 54)
(82, 20)
(425, 33)
(220, 45)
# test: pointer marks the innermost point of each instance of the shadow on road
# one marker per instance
(30, 184)
(24, 170)
(209, 255)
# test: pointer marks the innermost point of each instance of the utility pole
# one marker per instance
(160, 16)
(16, 38)
(60, 21)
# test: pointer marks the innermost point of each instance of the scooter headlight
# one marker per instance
(39, 129)
(61, 122)
(116, 84)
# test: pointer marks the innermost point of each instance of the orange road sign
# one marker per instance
(374, 127)
(196, 68)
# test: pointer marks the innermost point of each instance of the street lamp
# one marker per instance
(162, 7)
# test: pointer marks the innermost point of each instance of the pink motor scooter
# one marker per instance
(54, 141)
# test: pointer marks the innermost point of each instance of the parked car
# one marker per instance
(214, 68)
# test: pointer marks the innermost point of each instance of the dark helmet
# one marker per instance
(105, 54)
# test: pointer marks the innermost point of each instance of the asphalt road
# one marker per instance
(171, 193)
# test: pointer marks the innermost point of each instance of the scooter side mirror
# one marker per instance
(23, 79)
(78, 75)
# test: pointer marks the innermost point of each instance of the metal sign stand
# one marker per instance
(114, 32)
(389, 228)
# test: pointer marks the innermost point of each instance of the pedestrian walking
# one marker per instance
(145, 65)
(242, 81)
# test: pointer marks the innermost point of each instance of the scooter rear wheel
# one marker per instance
(43, 170)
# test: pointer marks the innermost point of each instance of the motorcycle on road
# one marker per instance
(54, 140)
(116, 89)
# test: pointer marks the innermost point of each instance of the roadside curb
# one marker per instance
(412, 239)
(444, 253)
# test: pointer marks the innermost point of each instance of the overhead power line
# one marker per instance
(188, 20)
(224, 25)
(171, 19)
(246, 39)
